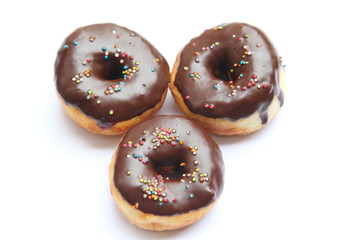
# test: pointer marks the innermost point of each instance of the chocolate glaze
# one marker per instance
(100, 48)
(230, 71)
(187, 164)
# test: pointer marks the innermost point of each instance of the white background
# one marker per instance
(294, 179)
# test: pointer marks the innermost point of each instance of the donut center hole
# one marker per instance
(228, 65)
(110, 67)
(171, 168)
(223, 72)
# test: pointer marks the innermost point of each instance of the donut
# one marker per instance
(229, 79)
(109, 78)
(166, 173)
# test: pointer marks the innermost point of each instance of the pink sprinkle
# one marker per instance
(206, 106)
(118, 36)
(211, 106)
(173, 144)
(244, 88)
(265, 85)
(124, 54)
(187, 97)
(240, 39)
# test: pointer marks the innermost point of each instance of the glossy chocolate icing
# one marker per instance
(168, 165)
(230, 71)
(110, 73)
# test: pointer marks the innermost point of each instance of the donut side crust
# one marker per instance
(118, 128)
(150, 221)
(222, 126)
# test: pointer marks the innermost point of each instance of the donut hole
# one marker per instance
(109, 67)
(223, 72)
(170, 167)
(225, 66)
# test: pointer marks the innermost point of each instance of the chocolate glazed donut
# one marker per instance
(230, 78)
(166, 173)
(109, 78)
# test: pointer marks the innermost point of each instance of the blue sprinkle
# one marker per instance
(106, 57)
(75, 43)
(153, 69)
(104, 49)
(160, 204)
(125, 67)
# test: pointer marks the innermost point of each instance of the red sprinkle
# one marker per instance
(265, 85)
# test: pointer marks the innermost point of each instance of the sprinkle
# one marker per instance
(191, 196)
(111, 112)
(153, 69)
(259, 45)
(128, 173)
(157, 60)
(185, 68)
(187, 97)
(246, 35)
(75, 43)
(265, 85)
(91, 39)
(65, 46)
(104, 49)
